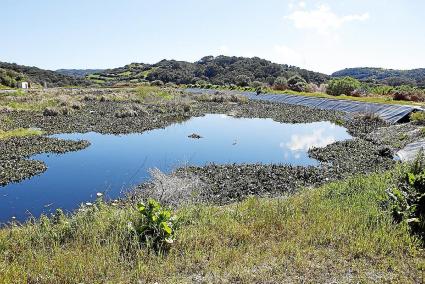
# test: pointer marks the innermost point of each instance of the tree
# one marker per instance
(342, 86)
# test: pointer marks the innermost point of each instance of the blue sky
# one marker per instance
(322, 36)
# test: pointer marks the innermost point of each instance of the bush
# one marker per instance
(170, 189)
(243, 80)
(382, 90)
(312, 88)
(342, 86)
(297, 83)
(418, 117)
(408, 93)
(201, 83)
(409, 196)
(156, 227)
(280, 84)
(257, 84)
(50, 112)
(299, 87)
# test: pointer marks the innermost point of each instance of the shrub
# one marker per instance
(157, 83)
(243, 80)
(257, 84)
(170, 189)
(382, 90)
(342, 86)
(201, 83)
(299, 87)
(312, 88)
(358, 93)
(408, 93)
(418, 117)
(50, 112)
(280, 84)
(156, 226)
(297, 83)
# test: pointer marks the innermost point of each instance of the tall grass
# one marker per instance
(340, 232)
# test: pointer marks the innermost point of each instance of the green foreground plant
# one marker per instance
(409, 196)
(156, 227)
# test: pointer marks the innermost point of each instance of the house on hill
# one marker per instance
(23, 85)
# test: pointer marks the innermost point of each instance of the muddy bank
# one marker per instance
(229, 183)
(128, 117)
(14, 154)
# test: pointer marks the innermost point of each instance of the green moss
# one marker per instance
(151, 92)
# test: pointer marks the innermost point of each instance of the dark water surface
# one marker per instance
(114, 163)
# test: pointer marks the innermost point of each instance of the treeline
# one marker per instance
(78, 73)
(220, 70)
(11, 74)
(390, 77)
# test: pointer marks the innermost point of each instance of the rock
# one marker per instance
(195, 136)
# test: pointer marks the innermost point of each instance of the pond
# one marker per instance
(112, 163)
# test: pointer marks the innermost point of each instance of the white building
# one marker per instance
(23, 85)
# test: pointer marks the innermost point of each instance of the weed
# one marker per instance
(156, 226)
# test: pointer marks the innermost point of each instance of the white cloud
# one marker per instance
(293, 5)
(305, 142)
(322, 20)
